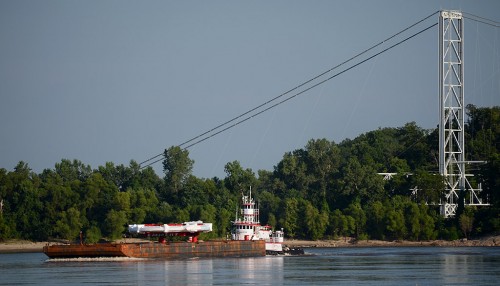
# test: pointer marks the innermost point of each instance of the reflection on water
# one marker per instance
(461, 268)
(397, 266)
(187, 272)
(211, 271)
(265, 269)
(93, 259)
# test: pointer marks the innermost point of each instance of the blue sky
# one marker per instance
(112, 81)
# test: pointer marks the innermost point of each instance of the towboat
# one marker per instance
(247, 227)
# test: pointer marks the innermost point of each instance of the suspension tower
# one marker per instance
(452, 112)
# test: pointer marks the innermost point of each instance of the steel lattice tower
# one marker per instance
(452, 112)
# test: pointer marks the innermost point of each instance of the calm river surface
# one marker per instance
(322, 266)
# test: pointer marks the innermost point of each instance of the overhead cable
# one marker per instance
(290, 91)
(481, 20)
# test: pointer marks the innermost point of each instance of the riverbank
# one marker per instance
(491, 241)
(19, 246)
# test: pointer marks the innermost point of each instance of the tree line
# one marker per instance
(324, 190)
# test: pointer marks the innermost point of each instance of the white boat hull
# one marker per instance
(274, 247)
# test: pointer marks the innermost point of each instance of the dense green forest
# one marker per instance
(324, 190)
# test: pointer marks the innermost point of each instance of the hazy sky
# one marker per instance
(112, 81)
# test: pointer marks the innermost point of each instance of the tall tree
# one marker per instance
(289, 217)
(430, 186)
(416, 150)
(239, 179)
(427, 223)
(25, 204)
(115, 223)
(177, 167)
(314, 222)
(291, 172)
(466, 221)
(358, 214)
(360, 181)
(69, 224)
(375, 219)
(395, 218)
(72, 170)
(323, 161)
(412, 216)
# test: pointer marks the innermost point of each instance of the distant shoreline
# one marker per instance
(493, 241)
(22, 246)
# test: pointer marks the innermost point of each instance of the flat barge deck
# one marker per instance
(216, 248)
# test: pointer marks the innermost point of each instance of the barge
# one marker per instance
(216, 248)
(162, 248)
(248, 239)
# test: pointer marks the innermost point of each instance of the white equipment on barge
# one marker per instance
(173, 228)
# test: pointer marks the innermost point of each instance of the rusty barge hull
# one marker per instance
(219, 248)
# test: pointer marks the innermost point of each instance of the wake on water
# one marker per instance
(93, 259)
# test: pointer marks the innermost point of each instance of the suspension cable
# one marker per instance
(481, 20)
(290, 91)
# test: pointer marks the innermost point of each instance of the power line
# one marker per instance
(283, 94)
(311, 87)
(482, 20)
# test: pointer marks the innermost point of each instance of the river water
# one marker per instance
(321, 266)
